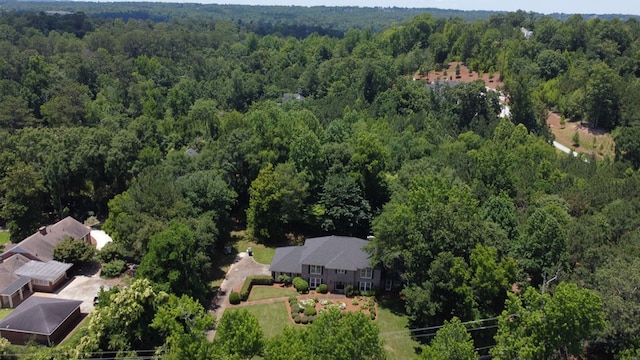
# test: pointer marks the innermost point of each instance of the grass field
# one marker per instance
(395, 334)
(4, 237)
(261, 253)
(4, 312)
(270, 292)
(273, 318)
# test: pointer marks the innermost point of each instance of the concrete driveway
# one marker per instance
(80, 287)
(243, 266)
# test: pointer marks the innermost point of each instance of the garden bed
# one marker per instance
(303, 309)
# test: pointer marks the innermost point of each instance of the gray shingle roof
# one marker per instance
(39, 315)
(332, 252)
(13, 263)
(47, 271)
(40, 245)
(10, 283)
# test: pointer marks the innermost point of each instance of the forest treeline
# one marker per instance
(177, 131)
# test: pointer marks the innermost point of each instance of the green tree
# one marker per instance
(344, 336)
(183, 322)
(602, 96)
(541, 326)
(627, 148)
(277, 199)
(239, 333)
(452, 342)
(123, 324)
(175, 264)
(73, 251)
(620, 297)
(344, 208)
(24, 200)
(290, 344)
(542, 247)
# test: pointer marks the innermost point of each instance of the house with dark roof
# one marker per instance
(29, 265)
(13, 288)
(337, 261)
(43, 319)
(39, 246)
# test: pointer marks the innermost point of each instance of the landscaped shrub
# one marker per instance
(372, 314)
(295, 308)
(349, 291)
(296, 319)
(113, 269)
(301, 285)
(322, 289)
(304, 320)
(293, 298)
(234, 298)
(284, 279)
(310, 311)
(254, 280)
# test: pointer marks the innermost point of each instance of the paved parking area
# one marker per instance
(81, 287)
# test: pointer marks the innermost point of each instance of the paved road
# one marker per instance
(243, 267)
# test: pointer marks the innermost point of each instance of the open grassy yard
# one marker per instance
(273, 318)
(4, 312)
(269, 292)
(396, 336)
(4, 237)
(261, 253)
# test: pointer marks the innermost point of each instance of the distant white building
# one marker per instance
(527, 33)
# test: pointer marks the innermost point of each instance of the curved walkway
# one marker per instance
(243, 266)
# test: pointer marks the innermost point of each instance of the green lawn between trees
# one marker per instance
(398, 344)
(4, 237)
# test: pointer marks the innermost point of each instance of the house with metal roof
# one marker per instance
(43, 319)
(337, 261)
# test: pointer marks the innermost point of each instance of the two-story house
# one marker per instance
(337, 261)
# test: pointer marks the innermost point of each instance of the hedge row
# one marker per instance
(254, 280)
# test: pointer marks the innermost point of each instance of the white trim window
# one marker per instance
(366, 273)
(314, 283)
(366, 285)
(315, 269)
(341, 271)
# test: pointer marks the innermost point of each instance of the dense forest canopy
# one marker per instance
(177, 129)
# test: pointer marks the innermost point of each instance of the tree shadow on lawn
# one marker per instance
(392, 302)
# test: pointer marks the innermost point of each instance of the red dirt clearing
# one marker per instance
(466, 75)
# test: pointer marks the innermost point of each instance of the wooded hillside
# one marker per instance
(177, 131)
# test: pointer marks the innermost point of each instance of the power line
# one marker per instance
(440, 326)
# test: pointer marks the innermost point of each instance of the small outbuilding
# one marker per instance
(43, 319)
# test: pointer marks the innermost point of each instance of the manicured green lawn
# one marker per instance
(395, 334)
(4, 312)
(273, 317)
(261, 253)
(270, 292)
(4, 237)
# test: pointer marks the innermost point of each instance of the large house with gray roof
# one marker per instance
(337, 261)
(28, 266)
